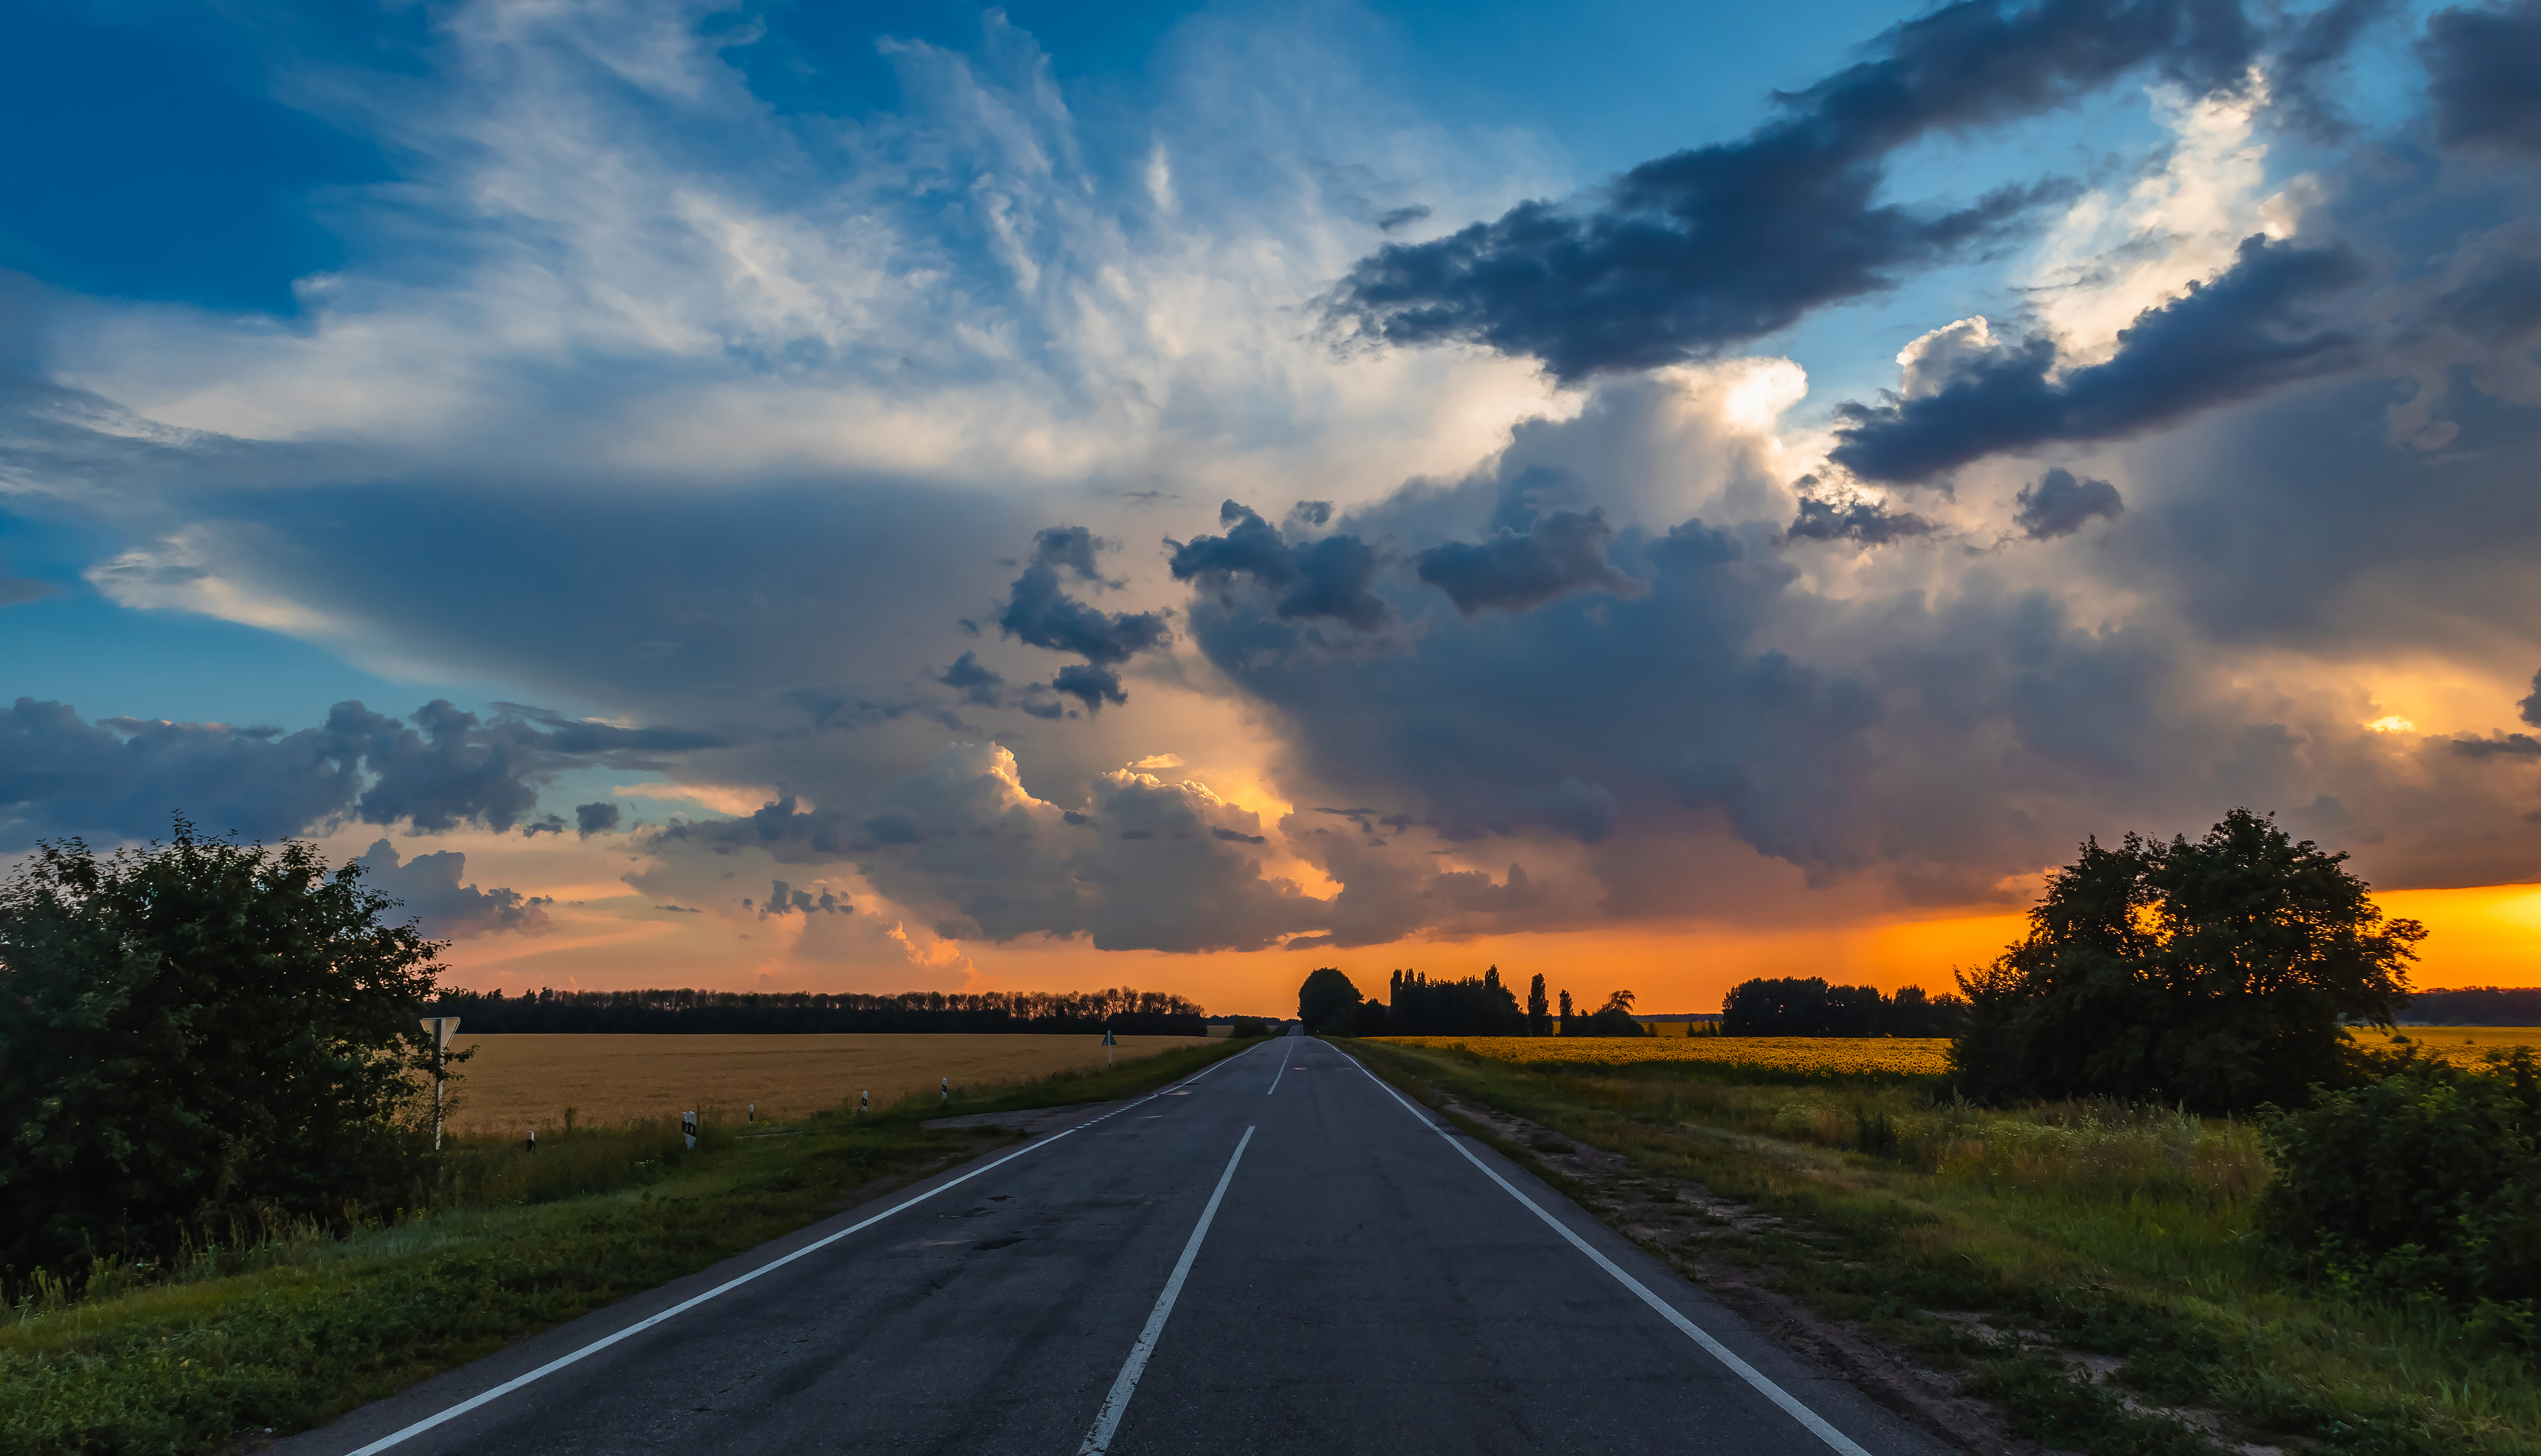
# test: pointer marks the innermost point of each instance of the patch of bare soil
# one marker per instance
(1687, 1224)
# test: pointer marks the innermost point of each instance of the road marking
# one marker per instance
(684, 1306)
(1790, 1404)
(1275, 1076)
(1099, 1440)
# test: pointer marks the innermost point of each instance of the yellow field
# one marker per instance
(2462, 1044)
(517, 1080)
(1864, 1056)
(1845, 1056)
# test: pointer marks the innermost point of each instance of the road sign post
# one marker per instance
(689, 1127)
(441, 1029)
(1108, 1042)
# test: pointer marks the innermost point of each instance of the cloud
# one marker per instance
(1562, 552)
(995, 862)
(2484, 76)
(123, 778)
(1868, 522)
(1327, 578)
(1042, 614)
(2228, 339)
(2529, 708)
(784, 900)
(977, 684)
(1691, 253)
(595, 819)
(2060, 504)
(1067, 547)
(1093, 686)
(428, 888)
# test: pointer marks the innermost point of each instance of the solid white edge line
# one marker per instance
(1275, 1076)
(1817, 1425)
(1098, 1439)
(597, 1345)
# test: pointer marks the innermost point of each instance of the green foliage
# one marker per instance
(2427, 1181)
(2216, 975)
(195, 1033)
(1327, 997)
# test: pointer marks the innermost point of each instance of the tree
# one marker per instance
(1565, 1008)
(1614, 1019)
(2217, 973)
(194, 1030)
(1327, 999)
(1539, 1018)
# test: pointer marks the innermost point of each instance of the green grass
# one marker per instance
(285, 1327)
(2119, 1231)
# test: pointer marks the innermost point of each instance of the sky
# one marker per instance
(914, 496)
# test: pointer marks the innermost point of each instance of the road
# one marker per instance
(1281, 1254)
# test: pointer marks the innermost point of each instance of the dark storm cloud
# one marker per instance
(427, 888)
(2060, 504)
(2247, 330)
(1562, 552)
(977, 684)
(1710, 247)
(595, 819)
(1328, 578)
(2529, 708)
(2484, 76)
(1868, 522)
(1042, 614)
(123, 778)
(1090, 685)
(2309, 56)
(1071, 548)
(2504, 745)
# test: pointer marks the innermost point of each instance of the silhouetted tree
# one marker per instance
(1327, 1001)
(1796, 1006)
(1614, 1019)
(2217, 973)
(1539, 1017)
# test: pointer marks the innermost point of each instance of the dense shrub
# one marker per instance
(195, 1033)
(2217, 974)
(2427, 1181)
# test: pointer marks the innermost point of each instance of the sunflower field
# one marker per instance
(1843, 1056)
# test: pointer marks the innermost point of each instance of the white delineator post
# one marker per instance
(1108, 1042)
(948, 1090)
(441, 1029)
(689, 1127)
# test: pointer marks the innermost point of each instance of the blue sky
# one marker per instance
(1847, 453)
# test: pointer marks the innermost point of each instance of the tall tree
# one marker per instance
(2218, 973)
(1539, 1015)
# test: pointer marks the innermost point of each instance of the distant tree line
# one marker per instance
(1794, 1006)
(1120, 1009)
(1477, 1006)
(2474, 1005)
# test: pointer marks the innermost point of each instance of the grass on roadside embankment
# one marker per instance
(2117, 1232)
(283, 1329)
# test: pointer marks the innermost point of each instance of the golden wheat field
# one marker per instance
(518, 1080)
(1837, 1056)
(2463, 1044)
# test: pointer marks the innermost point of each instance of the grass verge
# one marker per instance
(280, 1329)
(2088, 1268)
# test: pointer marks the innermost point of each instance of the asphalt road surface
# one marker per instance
(1279, 1254)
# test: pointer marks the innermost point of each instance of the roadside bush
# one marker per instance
(193, 1035)
(2424, 1182)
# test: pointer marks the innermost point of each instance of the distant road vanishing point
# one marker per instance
(1278, 1255)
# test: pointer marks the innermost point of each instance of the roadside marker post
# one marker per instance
(533, 1144)
(948, 1090)
(864, 1101)
(689, 1127)
(1108, 1042)
(752, 1116)
(441, 1029)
